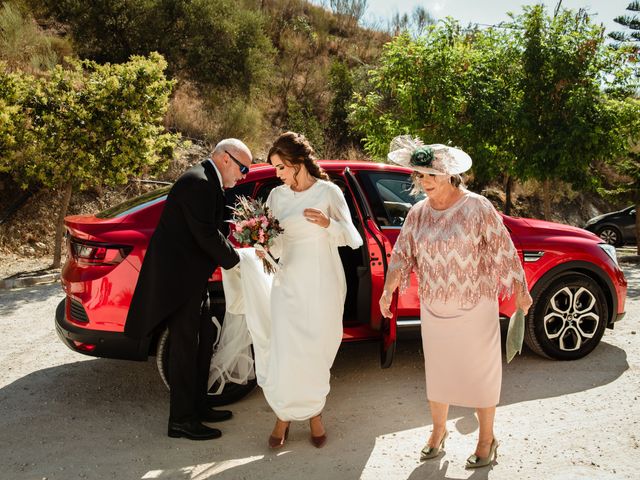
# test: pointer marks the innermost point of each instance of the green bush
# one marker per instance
(90, 125)
(302, 120)
(213, 42)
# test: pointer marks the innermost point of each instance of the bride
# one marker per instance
(308, 291)
(293, 320)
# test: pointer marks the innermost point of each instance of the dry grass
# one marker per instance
(188, 113)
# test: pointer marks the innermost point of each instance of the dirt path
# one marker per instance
(67, 416)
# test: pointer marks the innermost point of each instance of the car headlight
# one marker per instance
(593, 220)
(609, 250)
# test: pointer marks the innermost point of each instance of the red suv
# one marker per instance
(576, 284)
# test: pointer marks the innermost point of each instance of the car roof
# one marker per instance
(260, 171)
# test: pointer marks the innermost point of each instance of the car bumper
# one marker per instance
(616, 318)
(98, 343)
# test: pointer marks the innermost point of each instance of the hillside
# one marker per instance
(247, 69)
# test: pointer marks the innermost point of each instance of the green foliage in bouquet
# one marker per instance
(255, 226)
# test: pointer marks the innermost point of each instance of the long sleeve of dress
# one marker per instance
(341, 229)
(403, 257)
(502, 252)
(276, 247)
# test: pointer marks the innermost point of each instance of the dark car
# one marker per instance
(577, 287)
(615, 228)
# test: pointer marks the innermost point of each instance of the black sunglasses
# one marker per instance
(243, 168)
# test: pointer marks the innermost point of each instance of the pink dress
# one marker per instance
(465, 260)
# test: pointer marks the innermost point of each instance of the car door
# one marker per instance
(390, 195)
(378, 251)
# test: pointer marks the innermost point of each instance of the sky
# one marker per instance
(490, 12)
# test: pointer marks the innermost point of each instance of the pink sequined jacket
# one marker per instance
(460, 254)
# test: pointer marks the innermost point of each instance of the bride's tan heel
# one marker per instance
(277, 442)
(320, 440)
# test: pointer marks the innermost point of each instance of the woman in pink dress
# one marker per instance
(465, 260)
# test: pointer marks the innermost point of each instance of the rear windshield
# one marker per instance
(135, 204)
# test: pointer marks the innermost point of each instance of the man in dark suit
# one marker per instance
(188, 244)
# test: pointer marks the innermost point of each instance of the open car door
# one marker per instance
(378, 251)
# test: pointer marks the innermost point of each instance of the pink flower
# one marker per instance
(261, 236)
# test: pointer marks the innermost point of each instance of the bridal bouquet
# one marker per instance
(255, 226)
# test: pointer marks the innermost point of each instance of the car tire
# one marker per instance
(611, 235)
(231, 393)
(568, 317)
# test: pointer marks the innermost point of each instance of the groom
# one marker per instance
(186, 247)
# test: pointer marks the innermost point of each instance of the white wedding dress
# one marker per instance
(296, 329)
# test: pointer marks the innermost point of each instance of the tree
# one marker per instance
(417, 23)
(214, 42)
(13, 121)
(350, 11)
(631, 22)
(491, 102)
(629, 166)
(415, 89)
(92, 125)
(449, 86)
(341, 86)
(566, 120)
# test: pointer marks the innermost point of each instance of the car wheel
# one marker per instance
(231, 393)
(568, 317)
(611, 235)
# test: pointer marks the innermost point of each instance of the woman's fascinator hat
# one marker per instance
(435, 159)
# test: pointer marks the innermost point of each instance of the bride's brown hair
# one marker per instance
(295, 150)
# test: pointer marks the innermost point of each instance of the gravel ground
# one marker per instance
(12, 264)
(68, 416)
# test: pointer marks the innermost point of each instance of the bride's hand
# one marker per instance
(260, 254)
(316, 216)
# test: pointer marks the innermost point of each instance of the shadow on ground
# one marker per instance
(109, 416)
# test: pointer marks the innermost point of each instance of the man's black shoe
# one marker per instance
(211, 415)
(193, 430)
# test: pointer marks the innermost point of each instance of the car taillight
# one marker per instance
(97, 254)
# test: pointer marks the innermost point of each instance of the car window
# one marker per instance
(135, 204)
(389, 194)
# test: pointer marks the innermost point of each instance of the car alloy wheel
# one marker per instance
(611, 235)
(568, 318)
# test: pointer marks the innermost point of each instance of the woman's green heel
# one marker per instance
(475, 461)
(428, 452)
